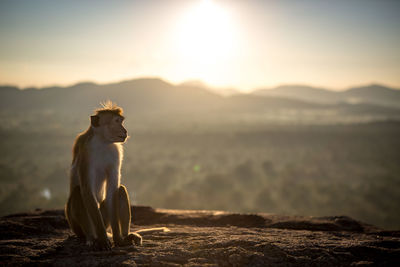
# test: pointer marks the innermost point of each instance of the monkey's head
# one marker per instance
(108, 123)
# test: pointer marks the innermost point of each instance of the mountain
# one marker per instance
(305, 93)
(372, 94)
(375, 94)
(155, 101)
(226, 91)
(139, 95)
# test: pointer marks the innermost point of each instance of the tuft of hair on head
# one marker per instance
(109, 107)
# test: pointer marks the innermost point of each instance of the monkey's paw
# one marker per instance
(130, 240)
(137, 239)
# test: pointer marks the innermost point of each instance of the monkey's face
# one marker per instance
(114, 131)
(111, 128)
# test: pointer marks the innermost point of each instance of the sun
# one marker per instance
(205, 34)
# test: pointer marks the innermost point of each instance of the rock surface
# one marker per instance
(203, 238)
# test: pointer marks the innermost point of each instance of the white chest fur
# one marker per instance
(104, 166)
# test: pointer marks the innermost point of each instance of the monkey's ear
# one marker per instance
(94, 120)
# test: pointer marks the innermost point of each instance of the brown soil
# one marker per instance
(203, 238)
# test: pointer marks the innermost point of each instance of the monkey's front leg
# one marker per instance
(113, 214)
(124, 209)
(91, 205)
(117, 217)
(101, 242)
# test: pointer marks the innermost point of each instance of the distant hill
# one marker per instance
(372, 94)
(226, 91)
(152, 98)
(140, 95)
(375, 94)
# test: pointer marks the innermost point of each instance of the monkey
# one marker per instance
(97, 199)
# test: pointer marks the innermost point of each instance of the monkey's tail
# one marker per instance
(145, 231)
(153, 230)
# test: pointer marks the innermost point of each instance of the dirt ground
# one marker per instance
(203, 238)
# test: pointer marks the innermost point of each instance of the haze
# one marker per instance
(240, 44)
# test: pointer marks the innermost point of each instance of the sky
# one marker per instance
(224, 43)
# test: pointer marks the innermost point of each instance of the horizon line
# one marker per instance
(203, 84)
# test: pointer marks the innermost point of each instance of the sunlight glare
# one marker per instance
(206, 34)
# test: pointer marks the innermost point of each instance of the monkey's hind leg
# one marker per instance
(77, 217)
(73, 224)
(124, 213)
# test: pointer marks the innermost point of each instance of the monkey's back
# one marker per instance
(79, 147)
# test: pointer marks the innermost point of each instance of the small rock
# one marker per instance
(129, 262)
(362, 263)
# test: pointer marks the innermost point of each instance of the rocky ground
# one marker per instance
(203, 238)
